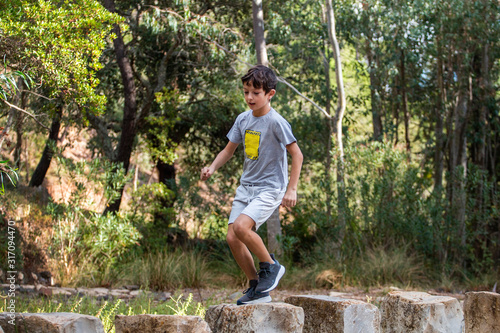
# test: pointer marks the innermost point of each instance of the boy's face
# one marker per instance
(257, 100)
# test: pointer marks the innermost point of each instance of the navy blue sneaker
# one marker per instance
(269, 275)
(251, 297)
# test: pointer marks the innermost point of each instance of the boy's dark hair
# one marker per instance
(261, 77)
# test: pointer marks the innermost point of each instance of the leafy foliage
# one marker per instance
(9, 173)
(425, 194)
(8, 83)
(84, 242)
(59, 44)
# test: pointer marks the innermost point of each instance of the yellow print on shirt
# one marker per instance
(252, 142)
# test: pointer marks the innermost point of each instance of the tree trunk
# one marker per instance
(395, 111)
(404, 101)
(166, 174)
(273, 223)
(129, 124)
(339, 114)
(442, 249)
(44, 164)
(439, 135)
(274, 233)
(375, 98)
(480, 106)
(458, 165)
(329, 126)
(484, 86)
(19, 133)
(258, 30)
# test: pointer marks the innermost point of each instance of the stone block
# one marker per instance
(139, 293)
(98, 291)
(56, 322)
(27, 288)
(262, 318)
(412, 312)
(63, 291)
(335, 314)
(482, 312)
(120, 293)
(160, 324)
(131, 287)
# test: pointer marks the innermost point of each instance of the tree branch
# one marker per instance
(279, 79)
(29, 114)
(41, 96)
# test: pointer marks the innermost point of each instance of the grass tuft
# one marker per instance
(164, 270)
(381, 266)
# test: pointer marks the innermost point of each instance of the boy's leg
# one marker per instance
(243, 229)
(271, 271)
(244, 259)
(241, 254)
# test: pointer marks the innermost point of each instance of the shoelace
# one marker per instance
(250, 291)
(264, 272)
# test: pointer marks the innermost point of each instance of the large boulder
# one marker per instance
(147, 323)
(412, 312)
(482, 312)
(262, 318)
(56, 322)
(335, 314)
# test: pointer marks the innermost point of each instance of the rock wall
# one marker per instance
(401, 312)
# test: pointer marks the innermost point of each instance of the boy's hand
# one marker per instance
(290, 198)
(206, 173)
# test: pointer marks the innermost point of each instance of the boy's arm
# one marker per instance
(219, 161)
(290, 198)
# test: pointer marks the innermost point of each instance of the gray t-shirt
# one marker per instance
(264, 139)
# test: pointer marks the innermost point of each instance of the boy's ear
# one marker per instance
(271, 93)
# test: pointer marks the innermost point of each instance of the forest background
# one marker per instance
(110, 109)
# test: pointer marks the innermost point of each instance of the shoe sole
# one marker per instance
(276, 281)
(266, 299)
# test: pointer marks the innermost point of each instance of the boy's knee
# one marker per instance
(231, 237)
(240, 230)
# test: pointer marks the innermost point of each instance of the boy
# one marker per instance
(266, 137)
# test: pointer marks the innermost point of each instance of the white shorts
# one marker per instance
(257, 202)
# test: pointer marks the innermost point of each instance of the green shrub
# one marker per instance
(152, 213)
(391, 201)
(86, 245)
